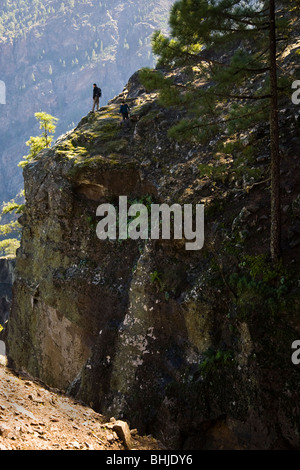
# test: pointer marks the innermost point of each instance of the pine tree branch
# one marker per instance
(196, 57)
(224, 121)
(244, 97)
(257, 71)
(235, 190)
(239, 20)
(254, 14)
(224, 95)
(234, 30)
(200, 58)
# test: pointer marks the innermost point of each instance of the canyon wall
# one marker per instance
(182, 344)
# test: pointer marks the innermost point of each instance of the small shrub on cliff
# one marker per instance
(9, 247)
(213, 361)
(10, 229)
(155, 276)
(9, 226)
(38, 143)
(260, 285)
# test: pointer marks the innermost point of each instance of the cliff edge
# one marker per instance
(193, 346)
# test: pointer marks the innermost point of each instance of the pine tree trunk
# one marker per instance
(275, 237)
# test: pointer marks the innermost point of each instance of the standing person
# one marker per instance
(124, 110)
(96, 97)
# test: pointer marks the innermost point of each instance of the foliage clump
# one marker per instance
(38, 143)
(261, 286)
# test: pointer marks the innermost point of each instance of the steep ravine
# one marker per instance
(146, 330)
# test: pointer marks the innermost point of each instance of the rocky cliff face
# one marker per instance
(6, 282)
(180, 343)
(52, 62)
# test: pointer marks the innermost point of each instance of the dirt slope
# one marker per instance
(34, 418)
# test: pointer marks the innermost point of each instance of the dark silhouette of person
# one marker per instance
(124, 110)
(96, 97)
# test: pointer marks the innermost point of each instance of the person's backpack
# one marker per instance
(99, 92)
(124, 109)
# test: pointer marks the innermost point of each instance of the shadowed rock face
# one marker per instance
(6, 281)
(145, 330)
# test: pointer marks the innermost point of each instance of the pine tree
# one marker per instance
(38, 143)
(230, 48)
(10, 229)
